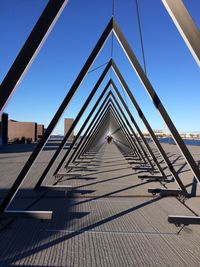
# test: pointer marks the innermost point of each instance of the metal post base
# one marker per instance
(27, 214)
(168, 192)
(70, 174)
(87, 157)
(154, 191)
(183, 220)
(82, 161)
(75, 167)
(171, 192)
(130, 161)
(55, 187)
(153, 178)
(143, 169)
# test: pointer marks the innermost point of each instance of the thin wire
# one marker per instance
(98, 67)
(112, 36)
(141, 39)
(113, 7)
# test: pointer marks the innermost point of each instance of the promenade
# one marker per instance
(107, 219)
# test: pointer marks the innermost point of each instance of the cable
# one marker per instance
(98, 67)
(112, 36)
(140, 32)
(113, 7)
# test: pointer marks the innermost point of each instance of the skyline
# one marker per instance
(49, 69)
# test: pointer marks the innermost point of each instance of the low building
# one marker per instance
(67, 124)
(158, 133)
(12, 130)
(19, 130)
(40, 131)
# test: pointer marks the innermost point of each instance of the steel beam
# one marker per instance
(30, 49)
(27, 214)
(185, 220)
(185, 25)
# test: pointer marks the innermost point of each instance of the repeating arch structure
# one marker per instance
(111, 119)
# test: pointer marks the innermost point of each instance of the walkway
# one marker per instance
(108, 219)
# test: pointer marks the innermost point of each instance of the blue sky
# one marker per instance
(170, 67)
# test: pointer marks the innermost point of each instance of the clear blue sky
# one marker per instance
(171, 69)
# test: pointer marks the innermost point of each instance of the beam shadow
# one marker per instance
(33, 250)
(110, 193)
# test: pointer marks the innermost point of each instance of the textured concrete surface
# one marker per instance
(108, 219)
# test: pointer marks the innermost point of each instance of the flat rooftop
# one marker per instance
(107, 219)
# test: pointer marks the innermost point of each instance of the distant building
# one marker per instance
(17, 130)
(158, 133)
(11, 130)
(40, 131)
(67, 124)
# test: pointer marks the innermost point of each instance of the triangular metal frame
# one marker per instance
(122, 130)
(147, 125)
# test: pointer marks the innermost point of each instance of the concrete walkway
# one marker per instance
(108, 219)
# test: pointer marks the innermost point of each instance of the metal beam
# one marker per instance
(185, 220)
(30, 49)
(27, 214)
(185, 25)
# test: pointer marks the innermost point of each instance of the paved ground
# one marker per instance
(108, 219)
